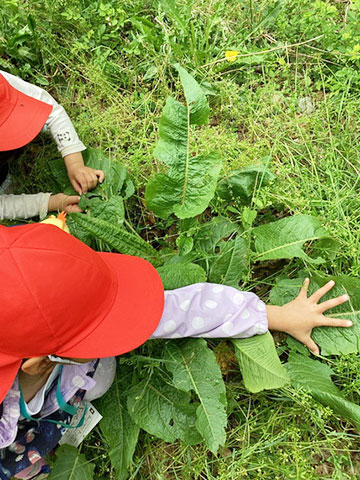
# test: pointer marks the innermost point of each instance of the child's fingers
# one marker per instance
(76, 186)
(315, 297)
(81, 179)
(72, 199)
(311, 345)
(101, 175)
(333, 302)
(334, 322)
(304, 288)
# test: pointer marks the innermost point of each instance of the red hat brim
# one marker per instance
(133, 317)
(24, 122)
(9, 367)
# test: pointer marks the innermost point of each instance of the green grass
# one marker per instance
(94, 55)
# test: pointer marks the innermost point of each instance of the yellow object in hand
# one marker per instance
(59, 221)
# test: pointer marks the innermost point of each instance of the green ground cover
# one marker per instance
(290, 97)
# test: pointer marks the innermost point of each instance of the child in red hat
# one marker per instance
(101, 305)
(24, 110)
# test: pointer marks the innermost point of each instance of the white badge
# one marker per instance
(74, 436)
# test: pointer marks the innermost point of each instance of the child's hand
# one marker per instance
(61, 202)
(84, 178)
(300, 316)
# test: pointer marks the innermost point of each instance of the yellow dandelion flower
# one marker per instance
(231, 55)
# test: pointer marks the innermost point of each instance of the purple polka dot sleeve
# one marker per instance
(211, 311)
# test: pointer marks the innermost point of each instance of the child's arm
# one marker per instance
(62, 130)
(28, 206)
(219, 311)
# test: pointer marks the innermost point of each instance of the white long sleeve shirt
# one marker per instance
(67, 141)
(58, 122)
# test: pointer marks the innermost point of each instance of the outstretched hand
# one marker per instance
(301, 315)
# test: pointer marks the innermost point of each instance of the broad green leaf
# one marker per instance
(195, 98)
(259, 363)
(71, 465)
(285, 238)
(77, 231)
(176, 275)
(173, 133)
(332, 341)
(231, 264)
(210, 233)
(189, 185)
(194, 368)
(119, 430)
(164, 411)
(111, 210)
(116, 237)
(315, 377)
(186, 190)
(243, 183)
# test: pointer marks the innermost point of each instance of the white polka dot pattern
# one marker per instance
(238, 298)
(176, 335)
(197, 322)
(78, 381)
(212, 311)
(218, 288)
(260, 306)
(228, 328)
(211, 304)
(245, 314)
(169, 326)
(259, 329)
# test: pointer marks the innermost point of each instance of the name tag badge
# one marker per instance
(75, 436)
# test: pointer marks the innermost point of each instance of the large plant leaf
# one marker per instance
(242, 183)
(231, 265)
(315, 377)
(189, 185)
(186, 190)
(173, 133)
(116, 237)
(285, 238)
(176, 275)
(332, 341)
(119, 430)
(194, 368)
(111, 210)
(195, 98)
(71, 465)
(259, 363)
(210, 233)
(164, 411)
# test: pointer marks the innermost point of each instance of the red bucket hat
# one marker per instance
(60, 297)
(21, 117)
